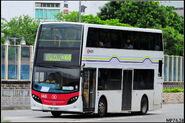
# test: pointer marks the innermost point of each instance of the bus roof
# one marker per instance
(109, 27)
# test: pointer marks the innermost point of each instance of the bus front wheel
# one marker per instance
(144, 105)
(56, 113)
(102, 107)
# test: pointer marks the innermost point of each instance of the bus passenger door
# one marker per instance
(127, 90)
(89, 89)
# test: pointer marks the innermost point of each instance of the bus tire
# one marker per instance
(102, 107)
(56, 113)
(144, 105)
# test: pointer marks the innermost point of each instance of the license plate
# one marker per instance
(53, 108)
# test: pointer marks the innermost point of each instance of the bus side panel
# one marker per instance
(137, 96)
(114, 99)
(158, 87)
(158, 94)
(92, 57)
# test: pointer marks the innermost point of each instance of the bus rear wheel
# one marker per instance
(144, 105)
(56, 113)
(102, 107)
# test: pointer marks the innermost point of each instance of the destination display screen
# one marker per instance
(57, 57)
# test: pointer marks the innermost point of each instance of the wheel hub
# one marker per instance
(101, 107)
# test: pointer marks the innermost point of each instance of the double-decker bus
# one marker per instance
(91, 68)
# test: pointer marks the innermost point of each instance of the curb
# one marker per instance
(16, 108)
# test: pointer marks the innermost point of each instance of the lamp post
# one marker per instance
(7, 42)
(79, 11)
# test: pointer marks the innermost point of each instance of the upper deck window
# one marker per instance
(60, 35)
(122, 39)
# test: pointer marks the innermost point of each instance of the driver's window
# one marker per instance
(39, 76)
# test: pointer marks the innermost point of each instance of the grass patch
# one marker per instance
(173, 90)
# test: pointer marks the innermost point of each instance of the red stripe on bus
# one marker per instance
(55, 99)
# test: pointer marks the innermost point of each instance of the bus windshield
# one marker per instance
(57, 58)
(56, 80)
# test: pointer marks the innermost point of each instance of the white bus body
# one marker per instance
(128, 61)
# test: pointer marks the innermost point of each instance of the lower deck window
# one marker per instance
(143, 79)
(109, 79)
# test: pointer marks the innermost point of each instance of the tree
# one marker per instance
(173, 41)
(142, 14)
(71, 16)
(74, 16)
(20, 26)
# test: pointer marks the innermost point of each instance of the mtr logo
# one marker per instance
(54, 96)
(89, 51)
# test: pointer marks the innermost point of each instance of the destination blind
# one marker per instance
(57, 57)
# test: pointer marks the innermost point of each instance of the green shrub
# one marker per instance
(166, 90)
(177, 90)
(173, 90)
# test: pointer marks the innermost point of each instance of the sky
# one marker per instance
(13, 8)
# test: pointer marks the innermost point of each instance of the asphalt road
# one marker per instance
(173, 112)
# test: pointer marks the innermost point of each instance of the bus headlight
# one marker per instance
(36, 98)
(72, 100)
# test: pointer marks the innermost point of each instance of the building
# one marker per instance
(180, 11)
(179, 6)
(46, 10)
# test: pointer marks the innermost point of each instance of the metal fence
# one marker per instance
(15, 97)
(173, 69)
(16, 62)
